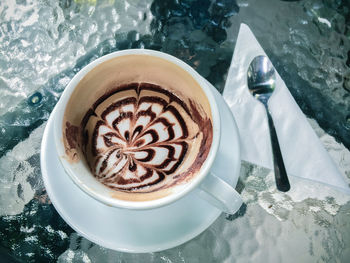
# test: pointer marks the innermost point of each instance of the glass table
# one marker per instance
(43, 44)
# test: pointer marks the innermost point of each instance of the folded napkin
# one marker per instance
(303, 153)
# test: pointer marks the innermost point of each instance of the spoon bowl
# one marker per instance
(261, 78)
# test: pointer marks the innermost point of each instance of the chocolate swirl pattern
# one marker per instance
(140, 137)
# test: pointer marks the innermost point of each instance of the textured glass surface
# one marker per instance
(44, 43)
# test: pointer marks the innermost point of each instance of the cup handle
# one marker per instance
(220, 194)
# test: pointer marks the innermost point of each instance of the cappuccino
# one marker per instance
(141, 124)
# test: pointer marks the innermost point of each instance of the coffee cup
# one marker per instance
(140, 129)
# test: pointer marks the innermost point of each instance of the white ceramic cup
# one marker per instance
(213, 189)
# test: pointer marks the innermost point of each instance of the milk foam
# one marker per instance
(139, 138)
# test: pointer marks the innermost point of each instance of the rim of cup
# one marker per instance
(107, 198)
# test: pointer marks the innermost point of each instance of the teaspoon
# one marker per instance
(261, 83)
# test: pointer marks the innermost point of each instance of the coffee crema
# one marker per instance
(141, 124)
(136, 136)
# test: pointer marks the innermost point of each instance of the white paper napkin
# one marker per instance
(303, 153)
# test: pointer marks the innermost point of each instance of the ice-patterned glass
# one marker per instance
(43, 44)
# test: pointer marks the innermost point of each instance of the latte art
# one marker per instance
(141, 138)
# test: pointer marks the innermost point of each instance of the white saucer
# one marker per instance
(139, 231)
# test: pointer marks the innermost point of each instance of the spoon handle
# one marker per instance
(281, 177)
